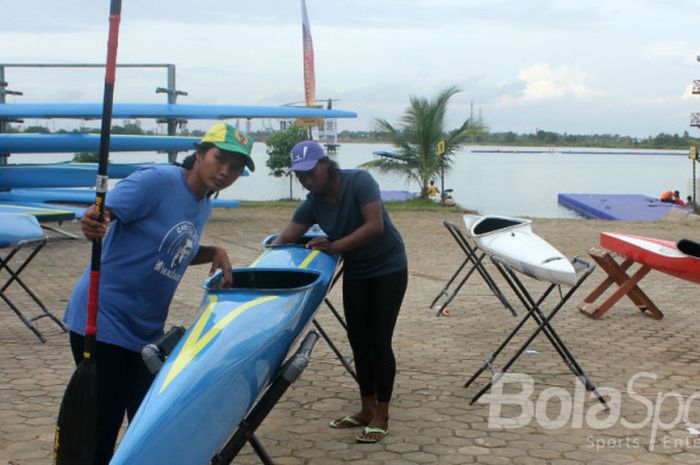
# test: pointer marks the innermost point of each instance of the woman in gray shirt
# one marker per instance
(347, 206)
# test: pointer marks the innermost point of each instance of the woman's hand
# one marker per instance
(323, 244)
(91, 226)
(221, 261)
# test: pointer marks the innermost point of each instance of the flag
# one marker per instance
(309, 78)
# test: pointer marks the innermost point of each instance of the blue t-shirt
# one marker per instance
(158, 222)
(382, 255)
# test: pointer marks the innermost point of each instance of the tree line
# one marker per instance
(549, 138)
(508, 138)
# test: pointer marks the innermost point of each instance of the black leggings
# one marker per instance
(122, 383)
(371, 308)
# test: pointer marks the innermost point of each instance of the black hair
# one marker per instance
(188, 161)
(333, 169)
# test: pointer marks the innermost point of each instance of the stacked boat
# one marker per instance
(74, 175)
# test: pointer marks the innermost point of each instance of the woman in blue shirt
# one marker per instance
(157, 218)
(346, 204)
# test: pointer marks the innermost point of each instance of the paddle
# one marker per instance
(76, 426)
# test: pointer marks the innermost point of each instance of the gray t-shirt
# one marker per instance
(383, 255)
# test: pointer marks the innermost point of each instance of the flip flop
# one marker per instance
(365, 439)
(345, 422)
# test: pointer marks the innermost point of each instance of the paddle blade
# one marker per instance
(76, 427)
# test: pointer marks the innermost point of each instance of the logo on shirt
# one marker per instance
(176, 249)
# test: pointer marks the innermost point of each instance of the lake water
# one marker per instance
(522, 183)
(509, 183)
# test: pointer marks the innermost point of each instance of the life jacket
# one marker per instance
(667, 196)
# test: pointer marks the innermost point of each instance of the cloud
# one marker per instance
(542, 82)
(673, 51)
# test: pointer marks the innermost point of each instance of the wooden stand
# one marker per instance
(617, 273)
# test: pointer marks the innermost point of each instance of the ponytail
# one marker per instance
(188, 162)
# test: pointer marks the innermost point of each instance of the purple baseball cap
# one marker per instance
(306, 154)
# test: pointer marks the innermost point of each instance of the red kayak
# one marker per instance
(658, 254)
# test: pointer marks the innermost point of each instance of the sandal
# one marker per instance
(365, 437)
(346, 422)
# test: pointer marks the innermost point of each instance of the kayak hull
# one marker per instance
(18, 227)
(62, 174)
(512, 240)
(162, 110)
(75, 143)
(658, 254)
(226, 358)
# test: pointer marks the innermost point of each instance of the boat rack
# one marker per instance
(32, 246)
(584, 269)
(475, 257)
(345, 361)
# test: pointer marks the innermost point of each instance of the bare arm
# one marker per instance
(372, 228)
(290, 234)
(218, 258)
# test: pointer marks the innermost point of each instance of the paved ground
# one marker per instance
(432, 419)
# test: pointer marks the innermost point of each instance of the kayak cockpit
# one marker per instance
(490, 224)
(264, 279)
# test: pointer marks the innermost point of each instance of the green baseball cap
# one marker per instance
(229, 138)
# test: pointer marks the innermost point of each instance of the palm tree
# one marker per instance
(416, 138)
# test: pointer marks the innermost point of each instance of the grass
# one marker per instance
(271, 204)
(409, 205)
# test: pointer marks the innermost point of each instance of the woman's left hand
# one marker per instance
(221, 261)
(323, 244)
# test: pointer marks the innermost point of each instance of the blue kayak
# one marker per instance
(237, 342)
(162, 110)
(19, 175)
(71, 143)
(17, 227)
(41, 211)
(51, 199)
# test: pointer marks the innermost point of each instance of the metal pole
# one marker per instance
(3, 124)
(442, 179)
(170, 89)
(172, 98)
(694, 195)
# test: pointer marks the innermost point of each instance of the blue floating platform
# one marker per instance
(397, 196)
(623, 207)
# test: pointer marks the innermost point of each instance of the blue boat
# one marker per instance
(387, 154)
(71, 143)
(47, 200)
(162, 110)
(27, 175)
(227, 357)
(41, 211)
(16, 227)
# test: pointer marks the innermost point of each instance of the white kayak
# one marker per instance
(512, 240)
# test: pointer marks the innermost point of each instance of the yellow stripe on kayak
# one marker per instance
(34, 211)
(307, 261)
(197, 341)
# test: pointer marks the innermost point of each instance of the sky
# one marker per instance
(572, 66)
